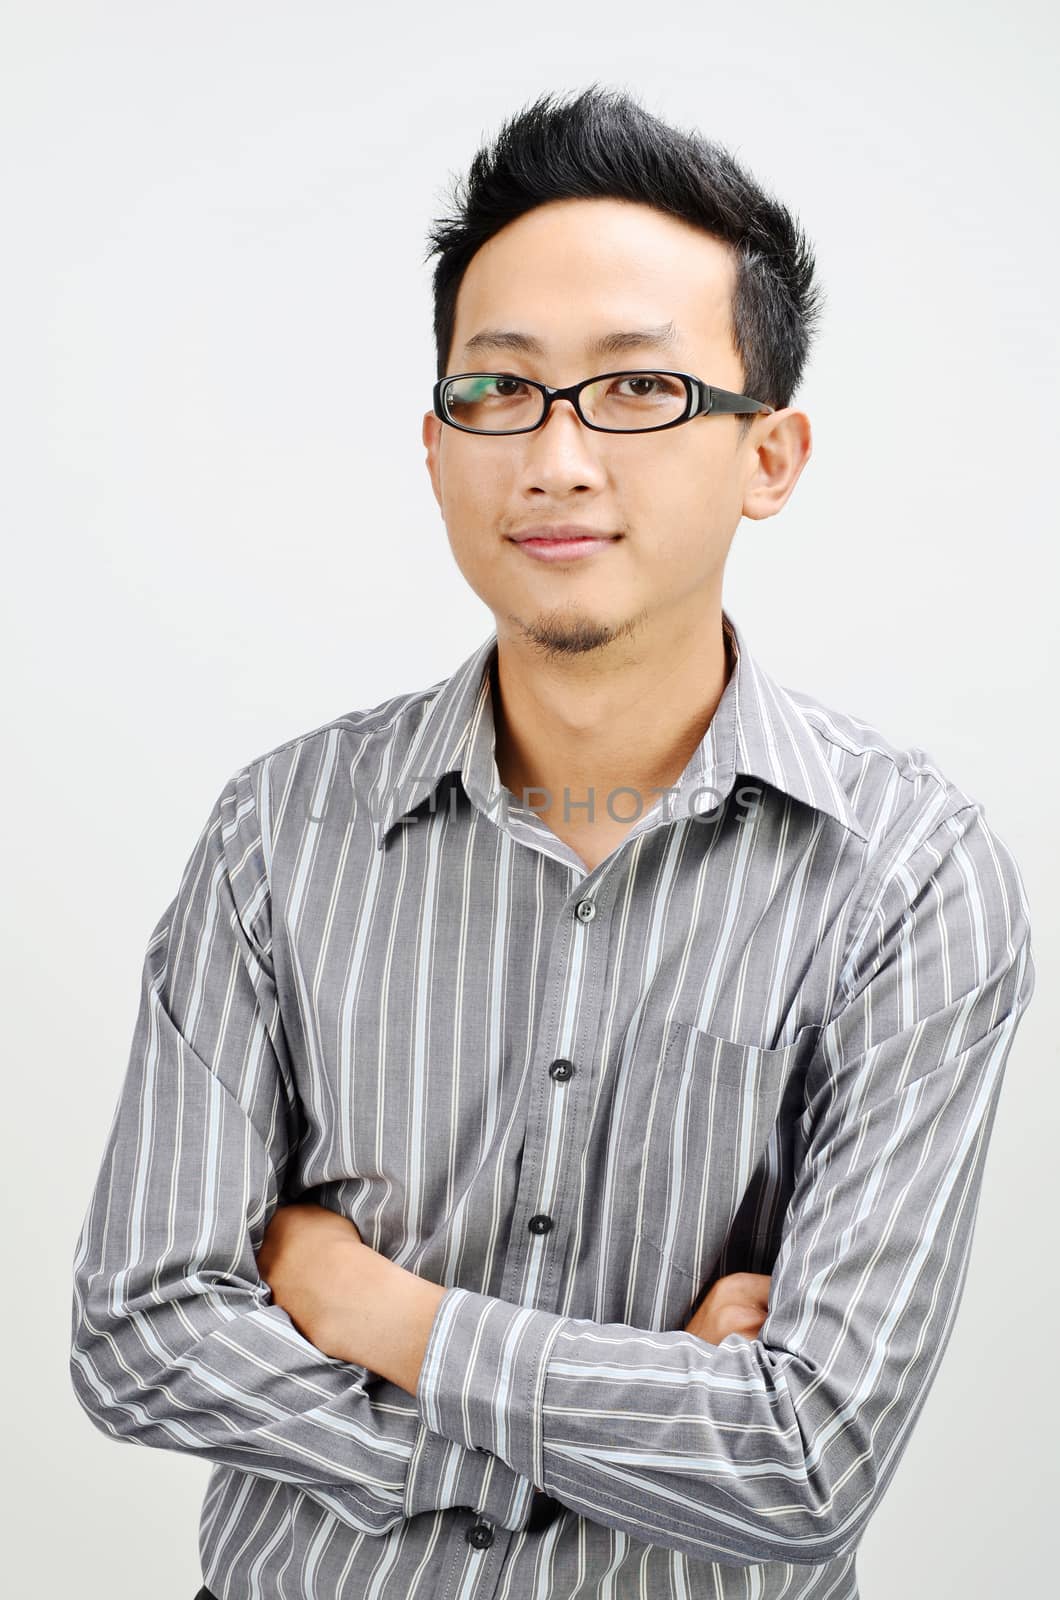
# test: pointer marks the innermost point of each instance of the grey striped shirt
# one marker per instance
(766, 1034)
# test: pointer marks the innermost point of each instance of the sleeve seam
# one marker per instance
(249, 925)
(875, 890)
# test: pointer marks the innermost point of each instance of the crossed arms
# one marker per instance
(775, 1447)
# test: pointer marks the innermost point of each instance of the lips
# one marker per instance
(559, 532)
(556, 548)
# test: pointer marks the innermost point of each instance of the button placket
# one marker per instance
(561, 1070)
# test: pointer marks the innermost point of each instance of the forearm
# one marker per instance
(179, 1350)
(771, 1449)
(669, 1439)
(388, 1318)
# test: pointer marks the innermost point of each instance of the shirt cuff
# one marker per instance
(444, 1475)
(483, 1376)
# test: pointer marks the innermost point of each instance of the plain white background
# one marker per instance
(217, 537)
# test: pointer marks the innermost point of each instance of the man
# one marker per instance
(559, 1100)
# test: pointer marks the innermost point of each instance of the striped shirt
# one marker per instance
(766, 1034)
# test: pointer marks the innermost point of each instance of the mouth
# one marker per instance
(564, 547)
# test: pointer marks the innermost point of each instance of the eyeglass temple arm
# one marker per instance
(725, 400)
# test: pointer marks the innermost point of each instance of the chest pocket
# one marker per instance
(714, 1106)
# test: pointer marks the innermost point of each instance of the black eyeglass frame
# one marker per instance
(701, 399)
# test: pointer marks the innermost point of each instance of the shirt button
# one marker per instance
(562, 1069)
(540, 1223)
(585, 910)
(481, 1535)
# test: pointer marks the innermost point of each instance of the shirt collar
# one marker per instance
(758, 730)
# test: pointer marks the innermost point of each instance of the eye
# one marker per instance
(649, 385)
(641, 379)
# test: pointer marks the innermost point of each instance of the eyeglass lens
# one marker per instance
(492, 402)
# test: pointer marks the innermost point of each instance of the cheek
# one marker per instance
(659, 502)
(694, 485)
(476, 505)
(477, 550)
(474, 482)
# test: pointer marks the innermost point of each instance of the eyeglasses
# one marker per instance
(612, 402)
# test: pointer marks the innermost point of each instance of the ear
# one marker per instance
(779, 445)
(432, 431)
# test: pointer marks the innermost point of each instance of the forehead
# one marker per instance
(581, 277)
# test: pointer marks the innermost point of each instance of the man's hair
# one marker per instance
(603, 144)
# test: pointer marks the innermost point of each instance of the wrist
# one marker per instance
(405, 1307)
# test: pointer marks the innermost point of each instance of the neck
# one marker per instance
(591, 724)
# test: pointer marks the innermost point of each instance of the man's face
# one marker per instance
(566, 273)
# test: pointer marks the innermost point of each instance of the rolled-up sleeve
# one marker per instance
(175, 1340)
(778, 1448)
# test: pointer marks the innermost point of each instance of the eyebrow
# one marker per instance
(608, 344)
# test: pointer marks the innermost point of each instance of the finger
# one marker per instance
(755, 1287)
(746, 1327)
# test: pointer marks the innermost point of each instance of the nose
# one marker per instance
(560, 403)
(561, 453)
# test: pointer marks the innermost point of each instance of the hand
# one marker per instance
(306, 1257)
(737, 1303)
